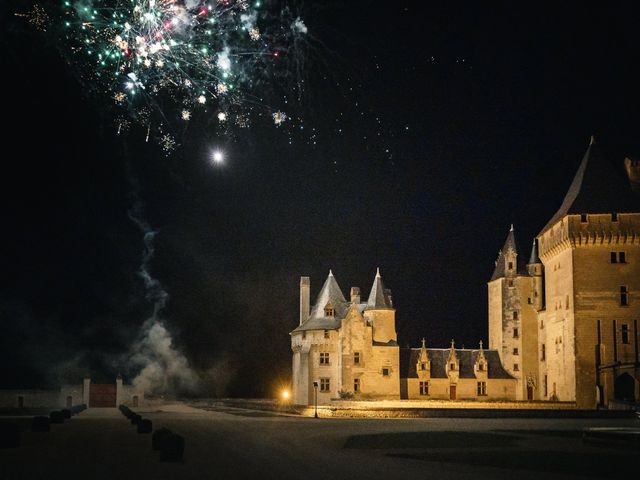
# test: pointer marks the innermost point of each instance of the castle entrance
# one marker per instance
(624, 387)
(102, 396)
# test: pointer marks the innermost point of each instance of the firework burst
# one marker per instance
(163, 59)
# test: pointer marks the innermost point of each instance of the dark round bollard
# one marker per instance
(158, 437)
(9, 435)
(40, 424)
(144, 426)
(56, 417)
(172, 448)
(66, 413)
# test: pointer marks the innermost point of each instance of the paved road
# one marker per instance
(234, 443)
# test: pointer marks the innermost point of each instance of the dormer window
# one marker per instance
(583, 218)
(510, 265)
(423, 366)
(481, 367)
(329, 311)
(452, 366)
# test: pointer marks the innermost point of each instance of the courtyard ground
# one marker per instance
(227, 443)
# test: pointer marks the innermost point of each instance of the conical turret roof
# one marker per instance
(509, 245)
(379, 296)
(598, 187)
(533, 258)
(330, 294)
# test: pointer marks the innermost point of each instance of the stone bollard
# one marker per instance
(158, 437)
(56, 417)
(144, 426)
(9, 435)
(40, 424)
(172, 448)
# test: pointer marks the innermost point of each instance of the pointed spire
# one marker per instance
(424, 341)
(379, 296)
(593, 140)
(533, 259)
(453, 344)
(511, 229)
(508, 249)
(480, 345)
(330, 293)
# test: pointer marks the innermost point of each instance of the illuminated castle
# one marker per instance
(350, 349)
(566, 321)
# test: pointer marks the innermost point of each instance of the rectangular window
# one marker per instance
(325, 385)
(482, 389)
(545, 386)
(423, 366)
(583, 218)
(356, 385)
(624, 296)
(452, 366)
(356, 358)
(515, 333)
(481, 367)
(385, 372)
(625, 333)
(614, 257)
(622, 257)
(543, 352)
(424, 388)
(516, 367)
(324, 358)
(541, 324)
(511, 283)
(326, 334)
(510, 265)
(515, 315)
(515, 351)
(304, 334)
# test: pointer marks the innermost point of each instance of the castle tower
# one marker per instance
(512, 318)
(590, 250)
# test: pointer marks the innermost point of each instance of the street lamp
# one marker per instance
(315, 389)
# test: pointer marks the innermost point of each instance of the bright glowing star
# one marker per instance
(285, 394)
(119, 97)
(217, 157)
(221, 88)
(254, 34)
(187, 82)
(279, 118)
(147, 63)
(168, 143)
(186, 115)
(202, 99)
(222, 117)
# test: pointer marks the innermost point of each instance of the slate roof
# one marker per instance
(533, 258)
(379, 297)
(598, 187)
(510, 243)
(439, 356)
(329, 293)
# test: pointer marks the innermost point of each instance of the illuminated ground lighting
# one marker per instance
(285, 395)
(217, 157)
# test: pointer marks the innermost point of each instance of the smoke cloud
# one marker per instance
(162, 368)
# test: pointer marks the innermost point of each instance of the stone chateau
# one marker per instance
(562, 325)
(566, 321)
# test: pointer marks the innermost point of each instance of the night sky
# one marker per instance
(429, 129)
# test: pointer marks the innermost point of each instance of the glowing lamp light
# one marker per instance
(286, 394)
(217, 157)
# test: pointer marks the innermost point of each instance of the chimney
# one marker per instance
(355, 295)
(305, 287)
(633, 171)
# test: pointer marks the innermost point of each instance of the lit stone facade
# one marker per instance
(577, 298)
(350, 348)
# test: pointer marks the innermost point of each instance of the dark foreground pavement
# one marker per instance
(234, 443)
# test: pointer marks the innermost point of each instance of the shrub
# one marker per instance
(40, 424)
(172, 448)
(158, 437)
(9, 435)
(345, 395)
(56, 417)
(144, 426)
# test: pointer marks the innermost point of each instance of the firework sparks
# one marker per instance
(162, 55)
